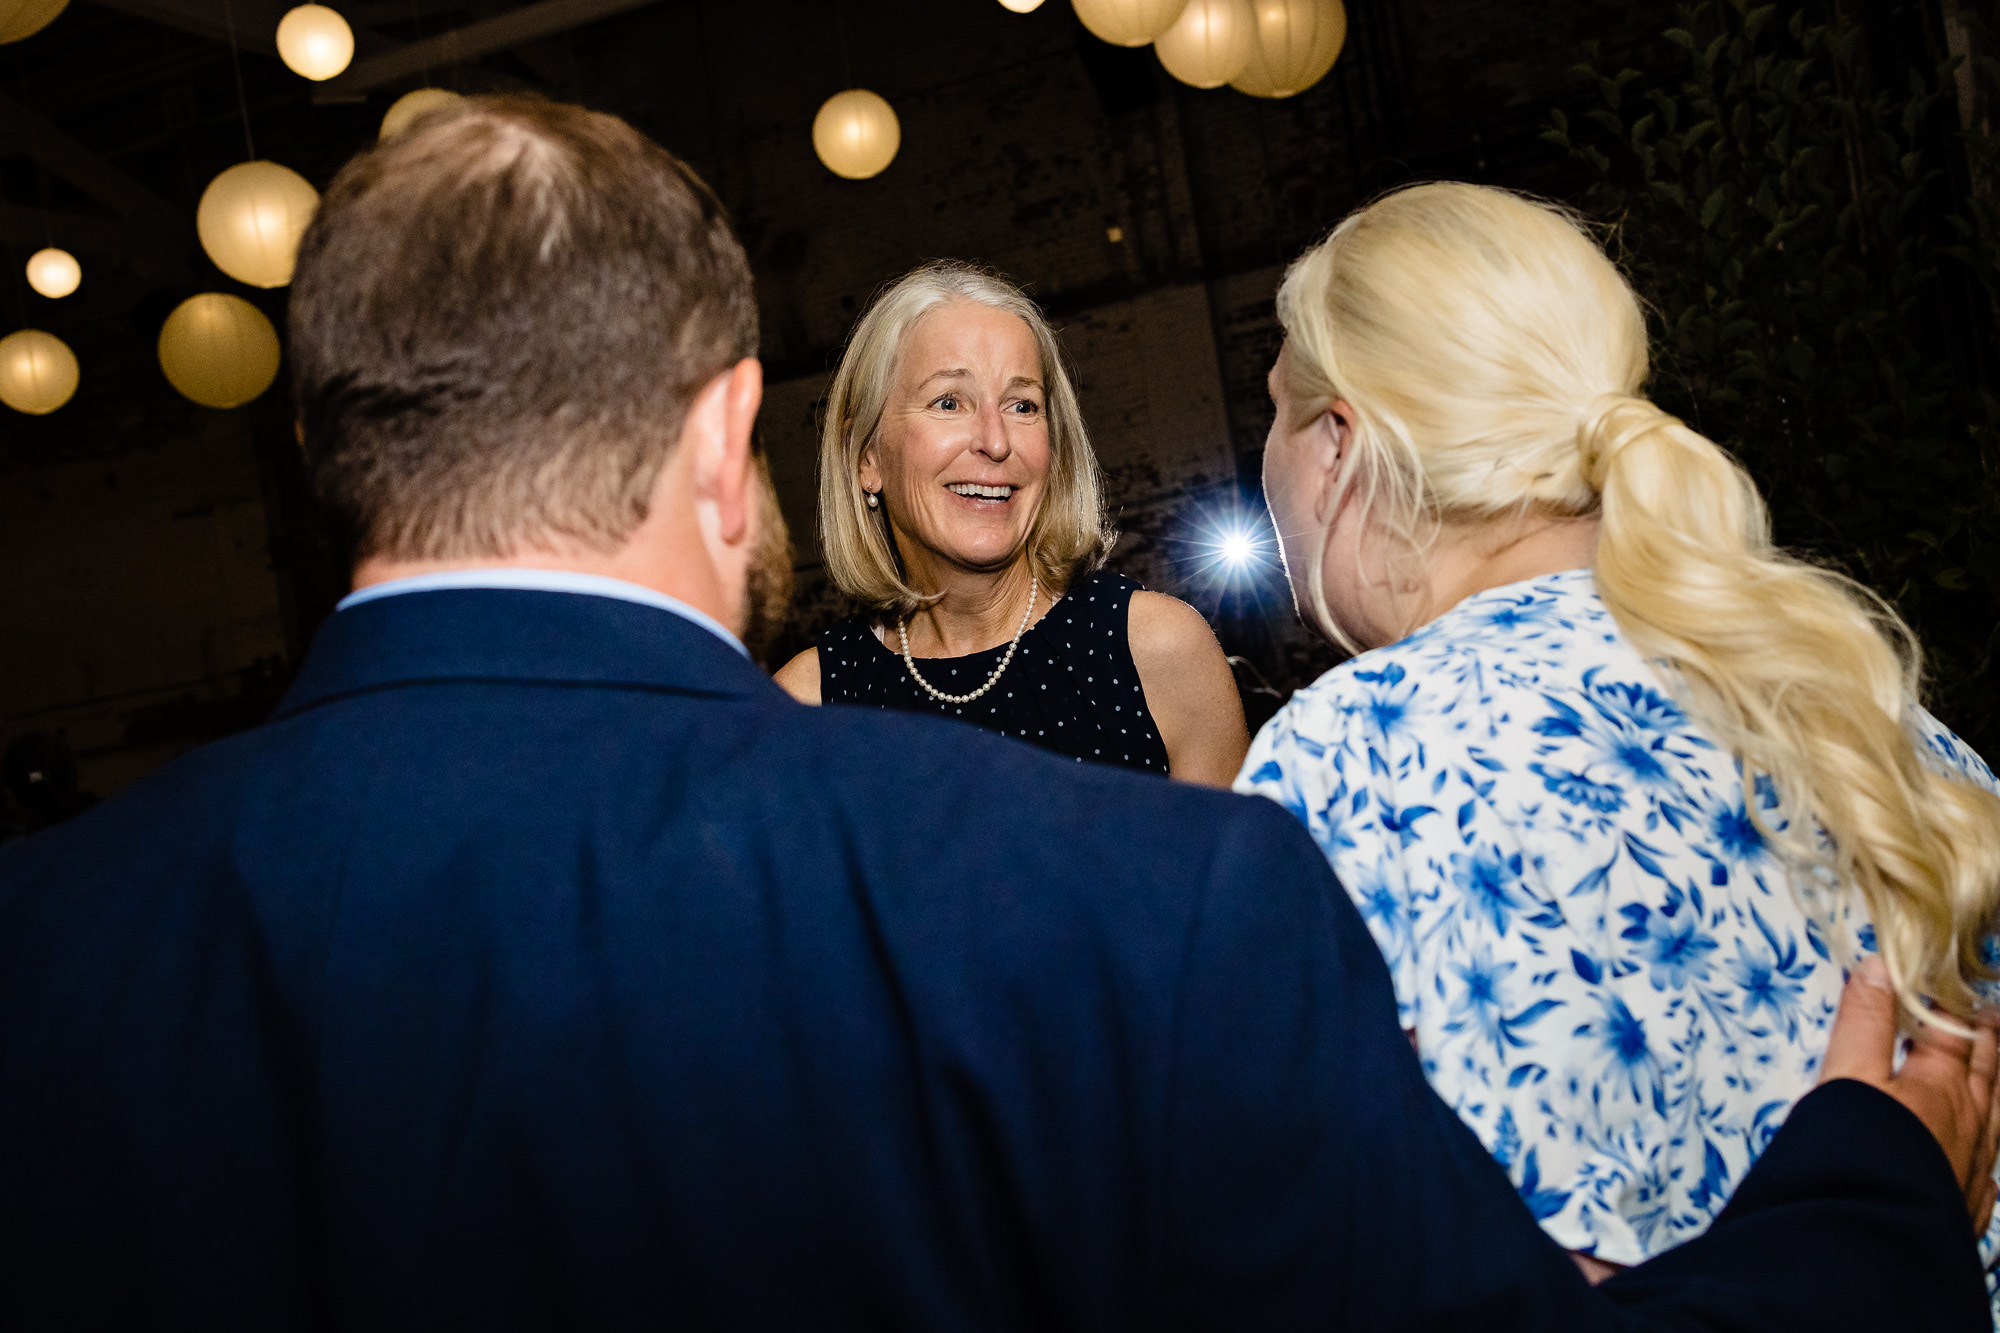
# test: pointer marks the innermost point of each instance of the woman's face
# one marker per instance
(962, 455)
(1318, 519)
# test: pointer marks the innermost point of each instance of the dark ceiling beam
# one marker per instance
(255, 22)
(526, 24)
(147, 251)
(96, 177)
(151, 232)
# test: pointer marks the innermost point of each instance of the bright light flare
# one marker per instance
(1235, 550)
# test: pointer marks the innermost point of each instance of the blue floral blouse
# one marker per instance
(1611, 978)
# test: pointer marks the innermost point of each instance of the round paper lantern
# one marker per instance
(219, 350)
(25, 18)
(405, 110)
(1129, 22)
(250, 220)
(54, 272)
(856, 134)
(315, 41)
(1021, 6)
(1297, 43)
(37, 372)
(1209, 43)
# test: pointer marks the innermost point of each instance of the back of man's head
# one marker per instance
(497, 324)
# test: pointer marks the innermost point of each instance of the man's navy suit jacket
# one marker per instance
(542, 965)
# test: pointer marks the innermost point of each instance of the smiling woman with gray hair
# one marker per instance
(960, 505)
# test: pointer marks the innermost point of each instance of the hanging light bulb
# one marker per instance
(1297, 43)
(1129, 22)
(37, 372)
(1021, 6)
(250, 220)
(219, 350)
(1209, 43)
(405, 110)
(314, 41)
(856, 134)
(25, 18)
(54, 273)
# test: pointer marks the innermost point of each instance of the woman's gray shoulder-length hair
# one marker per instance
(1069, 536)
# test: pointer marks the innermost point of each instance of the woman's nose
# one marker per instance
(993, 441)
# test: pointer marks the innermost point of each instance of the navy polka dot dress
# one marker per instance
(1071, 688)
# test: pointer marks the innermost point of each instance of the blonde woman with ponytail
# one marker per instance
(1621, 789)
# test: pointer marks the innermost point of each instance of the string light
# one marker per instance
(1128, 22)
(219, 350)
(1297, 42)
(856, 134)
(315, 42)
(250, 220)
(54, 273)
(405, 110)
(24, 18)
(38, 372)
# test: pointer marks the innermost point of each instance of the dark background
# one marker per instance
(161, 565)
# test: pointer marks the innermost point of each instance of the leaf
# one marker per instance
(1711, 209)
(1592, 881)
(1585, 967)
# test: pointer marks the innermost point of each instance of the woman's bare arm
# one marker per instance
(800, 676)
(1189, 689)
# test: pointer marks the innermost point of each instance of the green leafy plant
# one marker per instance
(1821, 304)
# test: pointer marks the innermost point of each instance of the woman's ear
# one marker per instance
(1340, 419)
(1333, 442)
(869, 471)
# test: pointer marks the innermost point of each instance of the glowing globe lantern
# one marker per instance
(315, 41)
(1129, 22)
(1210, 43)
(219, 350)
(856, 134)
(250, 220)
(1021, 6)
(37, 372)
(25, 18)
(1297, 43)
(54, 273)
(406, 110)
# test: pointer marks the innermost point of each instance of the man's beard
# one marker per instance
(767, 591)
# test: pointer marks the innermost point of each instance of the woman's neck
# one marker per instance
(976, 610)
(1495, 555)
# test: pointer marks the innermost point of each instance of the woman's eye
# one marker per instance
(948, 403)
(1025, 408)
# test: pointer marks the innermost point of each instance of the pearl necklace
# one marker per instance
(903, 636)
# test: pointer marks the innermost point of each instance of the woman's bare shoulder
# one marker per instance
(1165, 631)
(800, 676)
(1189, 687)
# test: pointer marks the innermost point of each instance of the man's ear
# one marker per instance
(721, 429)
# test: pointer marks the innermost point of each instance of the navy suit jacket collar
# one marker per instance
(492, 634)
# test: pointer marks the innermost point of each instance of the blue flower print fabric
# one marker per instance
(1611, 977)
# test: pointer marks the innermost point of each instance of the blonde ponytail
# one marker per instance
(1493, 358)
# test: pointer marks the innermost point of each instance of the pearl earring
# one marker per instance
(873, 501)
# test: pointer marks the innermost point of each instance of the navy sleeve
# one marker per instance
(1314, 1179)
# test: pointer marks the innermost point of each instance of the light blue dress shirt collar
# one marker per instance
(542, 580)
